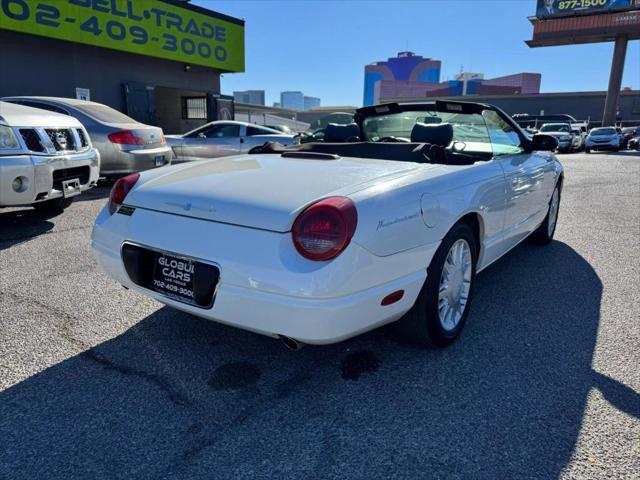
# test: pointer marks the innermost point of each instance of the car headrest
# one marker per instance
(335, 133)
(436, 134)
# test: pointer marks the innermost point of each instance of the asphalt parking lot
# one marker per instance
(99, 382)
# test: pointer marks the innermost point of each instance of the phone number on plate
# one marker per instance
(173, 288)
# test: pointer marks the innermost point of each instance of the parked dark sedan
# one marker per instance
(627, 134)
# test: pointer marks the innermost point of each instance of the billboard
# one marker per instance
(573, 29)
(555, 8)
(165, 29)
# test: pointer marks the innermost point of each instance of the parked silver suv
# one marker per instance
(604, 138)
(45, 158)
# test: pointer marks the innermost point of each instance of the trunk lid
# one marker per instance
(258, 191)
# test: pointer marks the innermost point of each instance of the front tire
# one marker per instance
(442, 307)
(56, 205)
(543, 235)
(587, 150)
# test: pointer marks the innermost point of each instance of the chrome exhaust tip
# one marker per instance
(291, 343)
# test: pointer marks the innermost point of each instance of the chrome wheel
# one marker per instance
(553, 212)
(455, 284)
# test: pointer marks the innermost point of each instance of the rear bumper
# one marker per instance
(308, 320)
(132, 161)
(36, 174)
(266, 291)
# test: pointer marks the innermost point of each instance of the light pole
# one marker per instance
(615, 81)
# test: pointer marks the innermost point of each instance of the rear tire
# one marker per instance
(435, 320)
(587, 150)
(56, 205)
(543, 235)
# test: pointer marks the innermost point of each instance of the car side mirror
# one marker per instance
(202, 136)
(543, 143)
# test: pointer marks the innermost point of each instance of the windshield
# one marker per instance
(556, 127)
(473, 132)
(105, 114)
(603, 131)
(466, 127)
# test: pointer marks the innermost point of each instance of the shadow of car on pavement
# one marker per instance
(101, 191)
(177, 396)
(20, 225)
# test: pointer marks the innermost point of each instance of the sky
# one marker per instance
(321, 47)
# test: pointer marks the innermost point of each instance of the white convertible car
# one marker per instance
(319, 242)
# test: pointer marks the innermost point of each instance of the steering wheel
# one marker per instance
(393, 140)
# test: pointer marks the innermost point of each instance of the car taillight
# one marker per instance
(324, 230)
(125, 137)
(120, 190)
(162, 139)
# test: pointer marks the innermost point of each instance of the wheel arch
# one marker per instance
(475, 221)
(560, 181)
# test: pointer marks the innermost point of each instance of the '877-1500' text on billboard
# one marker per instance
(554, 8)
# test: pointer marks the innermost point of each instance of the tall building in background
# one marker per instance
(412, 76)
(298, 101)
(292, 100)
(311, 102)
(253, 97)
(406, 67)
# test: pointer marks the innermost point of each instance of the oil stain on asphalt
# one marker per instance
(357, 363)
(234, 376)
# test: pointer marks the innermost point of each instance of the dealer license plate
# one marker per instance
(179, 278)
(174, 277)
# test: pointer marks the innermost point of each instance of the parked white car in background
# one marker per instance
(223, 138)
(45, 158)
(605, 138)
(323, 241)
(569, 137)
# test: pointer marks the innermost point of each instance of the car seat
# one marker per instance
(336, 133)
(437, 138)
